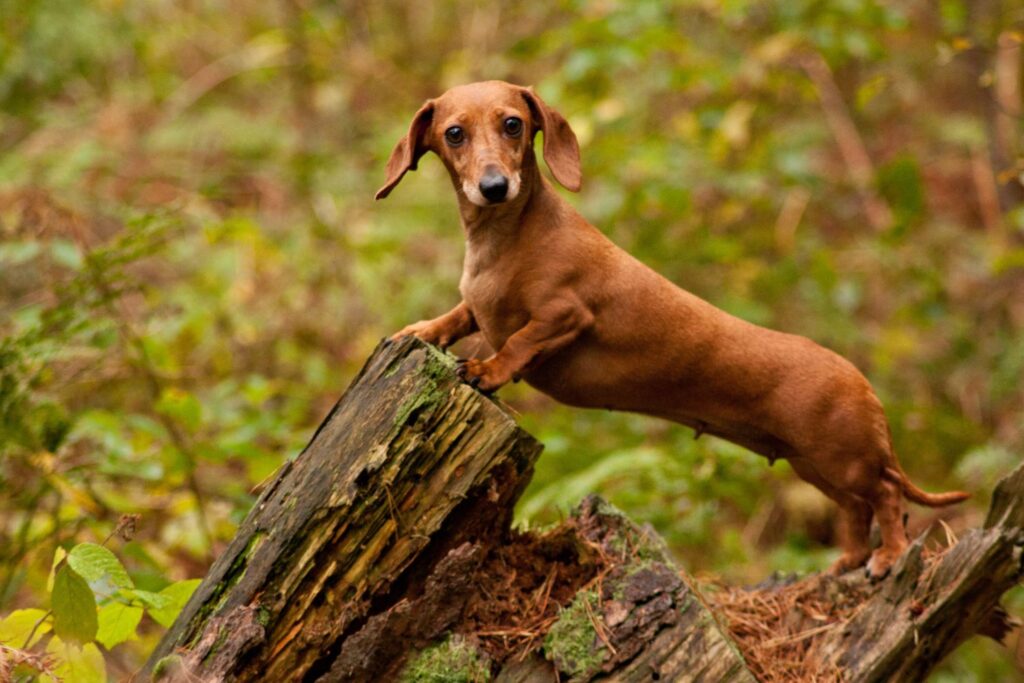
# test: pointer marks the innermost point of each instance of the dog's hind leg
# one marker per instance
(854, 518)
(888, 506)
(854, 535)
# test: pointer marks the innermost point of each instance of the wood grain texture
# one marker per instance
(410, 465)
(656, 623)
(925, 610)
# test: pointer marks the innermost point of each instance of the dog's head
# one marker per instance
(484, 134)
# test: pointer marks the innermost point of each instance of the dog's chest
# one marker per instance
(498, 308)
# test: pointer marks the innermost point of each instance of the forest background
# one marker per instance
(192, 267)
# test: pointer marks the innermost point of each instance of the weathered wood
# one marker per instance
(925, 610)
(897, 629)
(645, 623)
(655, 624)
(642, 620)
(639, 621)
(388, 506)
(384, 552)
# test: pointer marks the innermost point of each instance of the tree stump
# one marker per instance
(384, 552)
(360, 548)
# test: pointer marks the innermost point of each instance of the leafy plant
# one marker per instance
(93, 601)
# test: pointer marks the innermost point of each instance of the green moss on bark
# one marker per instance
(436, 367)
(233, 576)
(167, 666)
(572, 643)
(453, 660)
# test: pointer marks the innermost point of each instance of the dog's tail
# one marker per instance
(896, 475)
(916, 495)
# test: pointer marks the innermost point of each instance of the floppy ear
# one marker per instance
(561, 150)
(408, 150)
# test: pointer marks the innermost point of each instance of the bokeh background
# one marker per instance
(192, 267)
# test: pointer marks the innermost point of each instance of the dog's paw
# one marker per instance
(844, 565)
(880, 564)
(425, 330)
(484, 375)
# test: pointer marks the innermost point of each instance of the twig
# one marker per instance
(851, 146)
(951, 539)
(257, 54)
(392, 509)
(803, 635)
(599, 628)
(545, 589)
(35, 627)
(1006, 91)
(792, 211)
(987, 188)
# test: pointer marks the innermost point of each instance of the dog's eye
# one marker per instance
(454, 136)
(513, 126)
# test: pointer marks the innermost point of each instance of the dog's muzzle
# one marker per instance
(494, 186)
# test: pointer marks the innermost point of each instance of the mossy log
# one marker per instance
(360, 548)
(385, 552)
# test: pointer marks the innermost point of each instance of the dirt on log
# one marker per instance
(384, 552)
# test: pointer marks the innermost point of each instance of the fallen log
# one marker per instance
(825, 628)
(931, 605)
(385, 552)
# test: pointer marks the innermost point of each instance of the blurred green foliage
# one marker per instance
(192, 267)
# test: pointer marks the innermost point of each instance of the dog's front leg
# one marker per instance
(444, 331)
(554, 327)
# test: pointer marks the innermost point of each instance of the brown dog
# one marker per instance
(586, 323)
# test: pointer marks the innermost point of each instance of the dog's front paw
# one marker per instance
(425, 330)
(485, 375)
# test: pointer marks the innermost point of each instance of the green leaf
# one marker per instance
(151, 599)
(58, 555)
(900, 182)
(94, 562)
(76, 664)
(177, 594)
(17, 252)
(74, 607)
(181, 406)
(66, 253)
(117, 623)
(16, 626)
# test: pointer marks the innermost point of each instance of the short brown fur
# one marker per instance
(586, 323)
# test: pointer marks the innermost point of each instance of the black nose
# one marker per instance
(494, 187)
